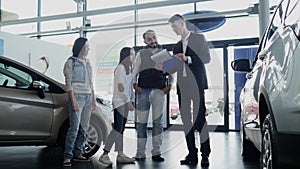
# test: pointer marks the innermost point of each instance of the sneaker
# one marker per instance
(67, 163)
(140, 156)
(124, 159)
(81, 158)
(105, 159)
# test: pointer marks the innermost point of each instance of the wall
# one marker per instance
(30, 51)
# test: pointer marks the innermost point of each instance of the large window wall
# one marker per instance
(234, 27)
(109, 32)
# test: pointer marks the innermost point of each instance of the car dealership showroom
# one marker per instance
(162, 84)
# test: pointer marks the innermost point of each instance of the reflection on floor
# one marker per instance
(225, 154)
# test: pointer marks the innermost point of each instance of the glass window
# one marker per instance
(66, 40)
(12, 77)
(214, 95)
(19, 10)
(102, 4)
(164, 12)
(55, 7)
(147, 1)
(219, 5)
(293, 18)
(104, 52)
(164, 33)
(75, 24)
(6, 81)
(23, 9)
(293, 7)
(235, 28)
(108, 20)
(277, 20)
(20, 28)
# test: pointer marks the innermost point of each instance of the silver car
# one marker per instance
(270, 100)
(33, 110)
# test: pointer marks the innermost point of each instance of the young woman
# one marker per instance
(122, 100)
(78, 78)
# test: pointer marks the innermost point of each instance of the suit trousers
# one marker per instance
(194, 119)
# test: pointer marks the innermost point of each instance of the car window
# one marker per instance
(12, 77)
(292, 7)
(293, 17)
(278, 20)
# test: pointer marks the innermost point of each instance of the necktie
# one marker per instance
(184, 45)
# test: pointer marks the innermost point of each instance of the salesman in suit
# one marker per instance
(193, 51)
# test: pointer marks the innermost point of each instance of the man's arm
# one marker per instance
(202, 48)
(136, 70)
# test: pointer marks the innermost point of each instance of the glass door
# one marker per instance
(222, 95)
(214, 95)
(237, 81)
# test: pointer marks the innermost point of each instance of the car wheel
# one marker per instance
(249, 151)
(268, 159)
(94, 139)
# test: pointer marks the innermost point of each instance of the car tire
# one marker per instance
(249, 151)
(268, 159)
(95, 137)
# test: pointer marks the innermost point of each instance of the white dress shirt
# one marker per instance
(185, 42)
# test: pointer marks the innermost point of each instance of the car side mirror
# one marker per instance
(40, 87)
(242, 65)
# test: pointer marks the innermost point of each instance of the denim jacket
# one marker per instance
(78, 75)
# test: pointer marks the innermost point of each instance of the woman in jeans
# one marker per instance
(123, 99)
(78, 78)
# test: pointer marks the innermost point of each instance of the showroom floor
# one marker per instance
(225, 154)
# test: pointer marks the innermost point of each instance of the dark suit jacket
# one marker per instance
(198, 50)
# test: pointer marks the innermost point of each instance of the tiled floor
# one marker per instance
(225, 154)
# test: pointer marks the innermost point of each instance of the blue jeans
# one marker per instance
(79, 123)
(116, 135)
(149, 97)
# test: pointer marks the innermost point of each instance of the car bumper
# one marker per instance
(253, 134)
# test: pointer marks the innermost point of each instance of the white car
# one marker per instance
(270, 100)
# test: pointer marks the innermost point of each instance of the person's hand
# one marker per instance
(75, 105)
(137, 89)
(181, 57)
(166, 90)
(158, 66)
(94, 104)
(133, 104)
(130, 106)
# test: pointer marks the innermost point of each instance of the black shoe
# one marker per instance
(204, 161)
(140, 156)
(158, 158)
(190, 160)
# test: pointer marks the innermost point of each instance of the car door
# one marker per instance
(23, 114)
(285, 95)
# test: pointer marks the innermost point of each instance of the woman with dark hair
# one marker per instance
(122, 100)
(79, 82)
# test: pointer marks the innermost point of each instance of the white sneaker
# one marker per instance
(105, 159)
(125, 159)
